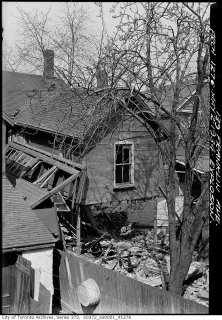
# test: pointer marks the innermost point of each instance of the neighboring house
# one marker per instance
(19, 87)
(24, 237)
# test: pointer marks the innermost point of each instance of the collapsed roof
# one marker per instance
(38, 175)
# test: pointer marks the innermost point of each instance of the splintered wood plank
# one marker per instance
(59, 163)
(78, 231)
(63, 184)
(45, 175)
(73, 189)
(42, 170)
(54, 190)
(60, 203)
(51, 155)
(81, 186)
(48, 178)
(30, 166)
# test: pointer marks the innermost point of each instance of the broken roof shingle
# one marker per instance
(21, 227)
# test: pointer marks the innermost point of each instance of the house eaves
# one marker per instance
(33, 127)
(29, 248)
(7, 119)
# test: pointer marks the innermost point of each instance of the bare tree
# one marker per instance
(10, 58)
(161, 50)
(70, 34)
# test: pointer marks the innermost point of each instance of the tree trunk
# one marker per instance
(178, 275)
(155, 224)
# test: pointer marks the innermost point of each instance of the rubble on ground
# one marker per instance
(131, 252)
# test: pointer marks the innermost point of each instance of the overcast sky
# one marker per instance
(9, 13)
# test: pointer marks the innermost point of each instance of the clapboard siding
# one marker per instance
(119, 294)
(100, 166)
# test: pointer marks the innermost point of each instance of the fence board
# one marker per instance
(8, 288)
(119, 294)
(21, 292)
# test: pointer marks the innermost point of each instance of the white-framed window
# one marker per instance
(123, 164)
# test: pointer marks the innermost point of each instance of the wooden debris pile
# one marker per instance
(139, 259)
(197, 283)
(111, 222)
(136, 258)
(131, 251)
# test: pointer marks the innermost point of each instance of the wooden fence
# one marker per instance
(16, 287)
(119, 294)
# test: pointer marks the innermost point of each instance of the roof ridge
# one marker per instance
(22, 73)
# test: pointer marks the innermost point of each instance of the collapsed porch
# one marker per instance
(46, 181)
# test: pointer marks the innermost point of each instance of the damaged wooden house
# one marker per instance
(119, 155)
(116, 149)
(76, 157)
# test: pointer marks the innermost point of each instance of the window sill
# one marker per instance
(123, 186)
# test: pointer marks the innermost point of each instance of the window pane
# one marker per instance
(119, 152)
(126, 173)
(119, 174)
(126, 153)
